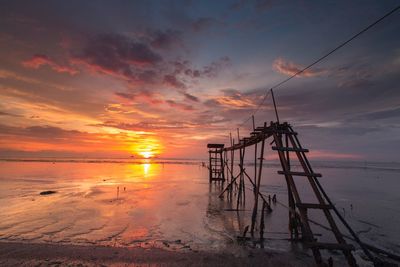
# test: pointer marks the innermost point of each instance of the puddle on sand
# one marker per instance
(172, 206)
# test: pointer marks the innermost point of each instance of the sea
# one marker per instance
(170, 204)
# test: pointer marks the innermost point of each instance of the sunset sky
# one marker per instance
(164, 78)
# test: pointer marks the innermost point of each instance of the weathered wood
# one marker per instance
(276, 110)
(289, 149)
(262, 224)
(257, 187)
(307, 168)
(285, 140)
(215, 145)
(307, 233)
(216, 162)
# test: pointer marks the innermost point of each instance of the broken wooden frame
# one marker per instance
(286, 143)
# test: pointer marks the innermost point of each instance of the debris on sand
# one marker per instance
(49, 192)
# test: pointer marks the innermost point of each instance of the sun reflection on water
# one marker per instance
(146, 168)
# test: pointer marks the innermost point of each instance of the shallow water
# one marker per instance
(172, 206)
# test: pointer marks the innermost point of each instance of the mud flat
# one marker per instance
(29, 254)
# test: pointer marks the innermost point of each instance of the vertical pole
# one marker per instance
(255, 164)
(254, 215)
(292, 207)
(232, 166)
(262, 225)
(222, 165)
(209, 164)
(240, 158)
(239, 195)
(276, 111)
(230, 138)
(255, 155)
(226, 165)
(243, 187)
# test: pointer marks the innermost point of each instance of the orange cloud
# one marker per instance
(234, 99)
(289, 68)
(41, 60)
(49, 138)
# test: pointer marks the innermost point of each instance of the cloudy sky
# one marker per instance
(115, 78)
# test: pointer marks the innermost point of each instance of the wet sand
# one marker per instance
(150, 214)
(28, 254)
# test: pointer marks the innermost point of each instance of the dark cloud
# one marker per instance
(119, 55)
(384, 114)
(141, 95)
(215, 67)
(128, 96)
(173, 81)
(165, 39)
(191, 97)
(179, 105)
(209, 71)
(135, 61)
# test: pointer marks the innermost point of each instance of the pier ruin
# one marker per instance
(283, 140)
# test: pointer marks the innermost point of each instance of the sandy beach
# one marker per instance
(20, 254)
(123, 214)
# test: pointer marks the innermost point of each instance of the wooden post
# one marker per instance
(241, 193)
(209, 165)
(262, 225)
(257, 187)
(276, 110)
(285, 141)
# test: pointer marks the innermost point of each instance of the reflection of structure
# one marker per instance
(223, 213)
(216, 162)
(287, 144)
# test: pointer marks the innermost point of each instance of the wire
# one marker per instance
(319, 60)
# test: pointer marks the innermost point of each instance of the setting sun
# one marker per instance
(146, 154)
(147, 148)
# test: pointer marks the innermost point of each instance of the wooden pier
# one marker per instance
(285, 142)
(216, 162)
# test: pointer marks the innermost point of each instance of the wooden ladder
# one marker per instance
(216, 162)
(286, 142)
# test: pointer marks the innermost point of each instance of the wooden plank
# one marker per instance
(268, 130)
(300, 174)
(215, 145)
(291, 149)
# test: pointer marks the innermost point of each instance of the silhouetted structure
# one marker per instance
(216, 162)
(286, 143)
